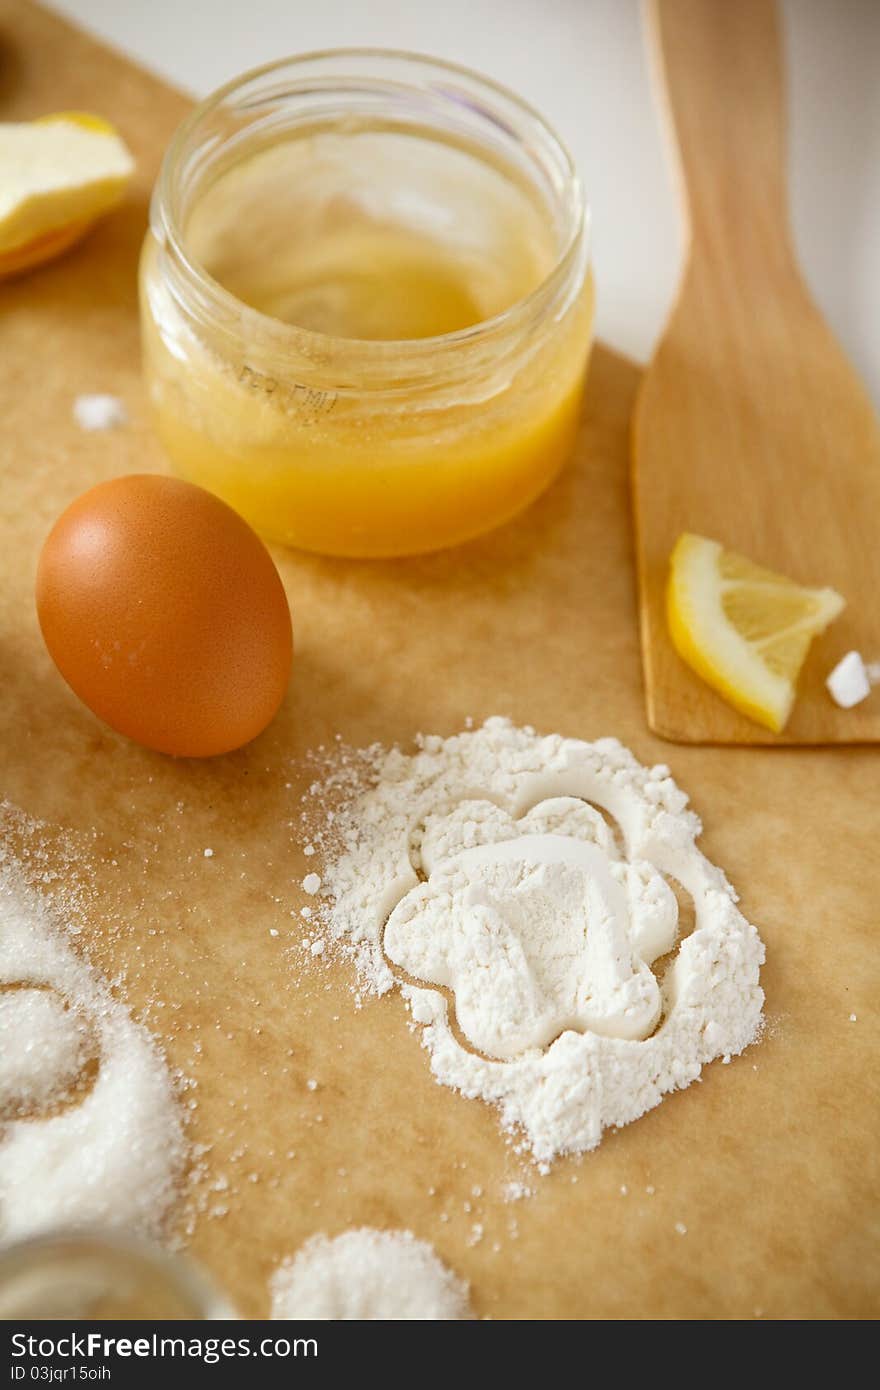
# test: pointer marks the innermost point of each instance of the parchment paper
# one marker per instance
(770, 1163)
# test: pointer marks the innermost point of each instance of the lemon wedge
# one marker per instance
(742, 628)
(57, 176)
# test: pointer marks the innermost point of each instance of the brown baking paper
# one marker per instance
(770, 1162)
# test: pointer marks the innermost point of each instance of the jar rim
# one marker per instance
(187, 1279)
(213, 295)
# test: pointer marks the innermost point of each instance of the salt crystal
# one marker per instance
(99, 412)
(311, 883)
(209, 854)
(848, 683)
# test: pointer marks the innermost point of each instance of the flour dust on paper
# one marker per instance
(523, 894)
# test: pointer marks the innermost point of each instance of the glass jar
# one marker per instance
(366, 302)
(101, 1274)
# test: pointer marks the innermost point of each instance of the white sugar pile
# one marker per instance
(367, 1275)
(114, 1153)
(45, 1048)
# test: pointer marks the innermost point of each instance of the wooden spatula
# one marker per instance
(751, 426)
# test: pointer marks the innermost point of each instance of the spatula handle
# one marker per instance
(724, 85)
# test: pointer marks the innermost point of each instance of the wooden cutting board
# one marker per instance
(751, 426)
(770, 1163)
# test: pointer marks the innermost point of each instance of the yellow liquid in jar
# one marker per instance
(378, 236)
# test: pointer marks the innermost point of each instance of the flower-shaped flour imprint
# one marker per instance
(481, 876)
(537, 931)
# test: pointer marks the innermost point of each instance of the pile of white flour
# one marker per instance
(110, 1154)
(528, 878)
(367, 1275)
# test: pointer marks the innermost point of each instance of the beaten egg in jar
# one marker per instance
(366, 303)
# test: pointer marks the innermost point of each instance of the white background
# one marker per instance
(583, 63)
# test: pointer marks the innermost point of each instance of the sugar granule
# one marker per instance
(849, 683)
(99, 412)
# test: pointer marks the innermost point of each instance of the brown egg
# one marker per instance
(164, 613)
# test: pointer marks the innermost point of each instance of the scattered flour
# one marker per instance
(366, 1275)
(485, 865)
(115, 1153)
